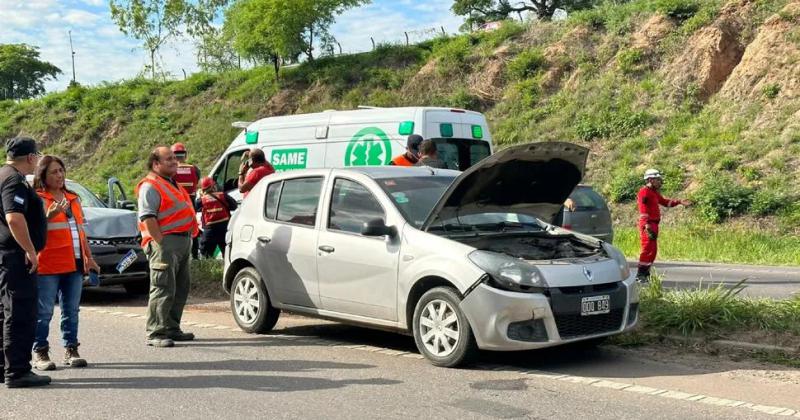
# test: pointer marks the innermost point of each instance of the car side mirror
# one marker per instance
(377, 227)
(126, 205)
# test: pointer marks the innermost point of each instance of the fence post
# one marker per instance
(406, 38)
(373, 43)
(340, 47)
(444, 33)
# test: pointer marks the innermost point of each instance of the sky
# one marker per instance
(103, 53)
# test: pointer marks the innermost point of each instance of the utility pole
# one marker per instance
(72, 50)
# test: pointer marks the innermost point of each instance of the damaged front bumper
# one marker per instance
(507, 321)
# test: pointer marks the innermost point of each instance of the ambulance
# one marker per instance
(367, 136)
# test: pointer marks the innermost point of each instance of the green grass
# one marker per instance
(715, 244)
(207, 272)
(715, 311)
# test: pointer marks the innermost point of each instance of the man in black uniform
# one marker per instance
(23, 231)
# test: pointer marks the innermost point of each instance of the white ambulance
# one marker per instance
(363, 137)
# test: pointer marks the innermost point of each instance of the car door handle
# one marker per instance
(327, 249)
(264, 239)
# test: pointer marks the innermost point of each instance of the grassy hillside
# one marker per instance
(707, 91)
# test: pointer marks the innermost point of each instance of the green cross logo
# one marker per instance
(369, 147)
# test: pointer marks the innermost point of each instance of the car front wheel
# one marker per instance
(250, 303)
(441, 330)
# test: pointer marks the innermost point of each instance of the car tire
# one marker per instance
(250, 303)
(441, 330)
(137, 288)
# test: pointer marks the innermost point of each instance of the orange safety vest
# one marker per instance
(187, 177)
(402, 160)
(215, 210)
(58, 256)
(176, 212)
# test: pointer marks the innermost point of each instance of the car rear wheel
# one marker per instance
(441, 330)
(250, 303)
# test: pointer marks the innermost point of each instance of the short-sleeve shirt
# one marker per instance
(257, 173)
(19, 197)
(150, 200)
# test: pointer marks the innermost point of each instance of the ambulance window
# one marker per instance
(228, 175)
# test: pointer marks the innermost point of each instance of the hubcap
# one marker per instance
(245, 300)
(439, 328)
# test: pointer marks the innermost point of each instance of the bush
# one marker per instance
(509, 29)
(452, 54)
(625, 187)
(722, 197)
(771, 90)
(527, 92)
(678, 9)
(622, 123)
(462, 98)
(629, 60)
(768, 202)
(526, 64)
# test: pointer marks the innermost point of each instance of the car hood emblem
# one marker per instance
(588, 273)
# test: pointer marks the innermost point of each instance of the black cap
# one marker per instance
(413, 143)
(20, 146)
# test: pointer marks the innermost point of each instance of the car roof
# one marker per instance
(380, 172)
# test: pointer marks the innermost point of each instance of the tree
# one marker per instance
(154, 22)
(272, 31)
(22, 73)
(483, 11)
(215, 52)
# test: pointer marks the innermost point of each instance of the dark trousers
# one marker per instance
(196, 248)
(213, 237)
(18, 310)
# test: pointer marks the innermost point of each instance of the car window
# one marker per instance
(87, 198)
(271, 203)
(228, 173)
(415, 196)
(352, 205)
(460, 154)
(299, 200)
(586, 199)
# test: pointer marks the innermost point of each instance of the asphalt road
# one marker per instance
(762, 281)
(318, 369)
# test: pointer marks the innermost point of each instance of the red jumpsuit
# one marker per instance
(649, 201)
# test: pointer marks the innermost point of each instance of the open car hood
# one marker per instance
(532, 179)
(110, 223)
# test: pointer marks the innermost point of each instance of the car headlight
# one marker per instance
(509, 273)
(619, 257)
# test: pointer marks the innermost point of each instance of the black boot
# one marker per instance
(27, 380)
(643, 274)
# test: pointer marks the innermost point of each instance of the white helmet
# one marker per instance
(652, 173)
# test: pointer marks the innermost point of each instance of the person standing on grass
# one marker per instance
(23, 233)
(254, 167)
(167, 223)
(216, 208)
(62, 263)
(649, 201)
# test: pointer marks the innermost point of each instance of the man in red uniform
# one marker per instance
(187, 177)
(254, 167)
(216, 208)
(649, 201)
(411, 156)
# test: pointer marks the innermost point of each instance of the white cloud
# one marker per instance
(81, 18)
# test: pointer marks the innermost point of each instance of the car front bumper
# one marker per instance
(509, 321)
(108, 256)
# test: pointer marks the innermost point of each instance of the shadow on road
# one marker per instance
(240, 382)
(233, 365)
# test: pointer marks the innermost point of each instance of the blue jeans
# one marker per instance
(67, 289)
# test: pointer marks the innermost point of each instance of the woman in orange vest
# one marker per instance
(62, 263)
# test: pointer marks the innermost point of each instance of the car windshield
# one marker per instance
(415, 196)
(489, 223)
(586, 199)
(460, 154)
(87, 198)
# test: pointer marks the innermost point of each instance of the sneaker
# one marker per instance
(160, 342)
(41, 359)
(181, 336)
(72, 358)
(27, 380)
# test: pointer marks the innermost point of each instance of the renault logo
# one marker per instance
(588, 273)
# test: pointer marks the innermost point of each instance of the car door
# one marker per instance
(357, 274)
(287, 238)
(591, 215)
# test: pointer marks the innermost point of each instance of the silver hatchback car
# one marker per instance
(461, 261)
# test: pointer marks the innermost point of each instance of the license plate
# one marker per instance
(126, 261)
(595, 305)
